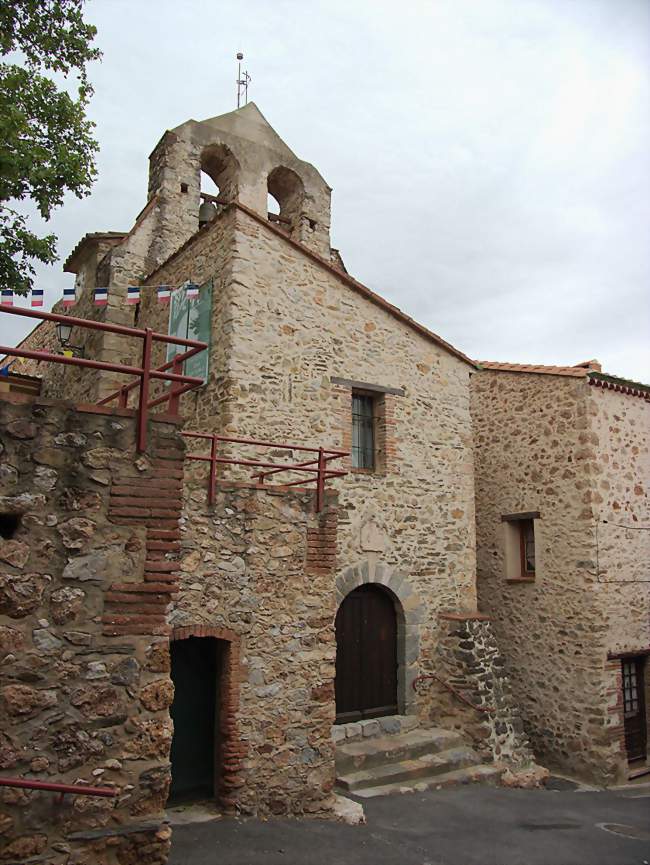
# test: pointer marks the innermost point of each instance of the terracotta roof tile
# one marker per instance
(589, 369)
(112, 237)
(579, 371)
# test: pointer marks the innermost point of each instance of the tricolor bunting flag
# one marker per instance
(69, 296)
(37, 297)
(164, 293)
(101, 296)
(133, 294)
(7, 297)
(191, 289)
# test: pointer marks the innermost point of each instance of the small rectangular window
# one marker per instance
(363, 431)
(527, 547)
(520, 559)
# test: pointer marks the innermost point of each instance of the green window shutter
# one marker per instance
(192, 319)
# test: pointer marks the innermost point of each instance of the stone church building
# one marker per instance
(249, 646)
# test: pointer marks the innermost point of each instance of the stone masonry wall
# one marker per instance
(257, 572)
(85, 580)
(621, 504)
(283, 327)
(296, 327)
(543, 444)
(532, 434)
(472, 664)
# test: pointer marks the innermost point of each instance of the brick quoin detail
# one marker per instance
(233, 749)
(151, 499)
(321, 543)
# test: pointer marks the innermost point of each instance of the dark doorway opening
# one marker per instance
(366, 655)
(9, 525)
(195, 672)
(634, 708)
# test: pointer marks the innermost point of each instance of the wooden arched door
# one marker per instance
(366, 655)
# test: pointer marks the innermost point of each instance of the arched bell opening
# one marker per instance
(285, 198)
(219, 180)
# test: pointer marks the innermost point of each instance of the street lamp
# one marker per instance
(64, 332)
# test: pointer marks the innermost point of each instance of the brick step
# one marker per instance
(409, 772)
(483, 774)
(387, 749)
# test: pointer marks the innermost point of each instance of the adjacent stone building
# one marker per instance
(562, 463)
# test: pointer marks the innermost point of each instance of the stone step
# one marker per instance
(483, 774)
(409, 771)
(354, 756)
(372, 728)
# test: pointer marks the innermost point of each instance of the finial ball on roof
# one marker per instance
(240, 56)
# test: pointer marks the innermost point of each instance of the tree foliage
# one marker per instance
(47, 146)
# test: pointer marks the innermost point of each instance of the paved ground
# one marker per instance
(461, 826)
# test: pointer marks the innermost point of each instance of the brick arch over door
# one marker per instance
(410, 614)
(233, 749)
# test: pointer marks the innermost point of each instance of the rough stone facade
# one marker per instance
(84, 588)
(293, 336)
(257, 573)
(577, 452)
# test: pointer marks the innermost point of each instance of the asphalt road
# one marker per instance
(460, 826)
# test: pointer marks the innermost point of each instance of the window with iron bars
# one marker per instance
(363, 431)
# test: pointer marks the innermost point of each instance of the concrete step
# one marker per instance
(408, 771)
(354, 756)
(485, 774)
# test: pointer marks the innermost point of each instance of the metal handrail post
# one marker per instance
(174, 393)
(320, 482)
(143, 402)
(212, 481)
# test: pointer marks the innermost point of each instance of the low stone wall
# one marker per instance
(469, 660)
(85, 580)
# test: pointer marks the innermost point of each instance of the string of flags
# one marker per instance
(100, 295)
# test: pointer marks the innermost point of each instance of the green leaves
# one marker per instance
(47, 146)
(50, 33)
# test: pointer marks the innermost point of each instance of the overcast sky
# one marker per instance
(488, 158)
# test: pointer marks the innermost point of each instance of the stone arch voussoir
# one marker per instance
(410, 618)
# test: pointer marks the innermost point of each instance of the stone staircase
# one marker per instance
(394, 755)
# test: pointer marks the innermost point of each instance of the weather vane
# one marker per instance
(242, 82)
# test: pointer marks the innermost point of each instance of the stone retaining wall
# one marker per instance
(473, 665)
(84, 584)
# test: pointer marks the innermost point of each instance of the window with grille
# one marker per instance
(363, 431)
(527, 547)
(630, 689)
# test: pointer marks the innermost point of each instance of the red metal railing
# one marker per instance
(61, 789)
(179, 383)
(453, 691)
(316, 469)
